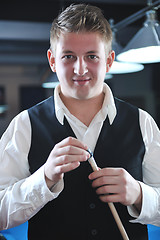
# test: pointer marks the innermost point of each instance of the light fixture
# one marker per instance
(144, 47)
(125, 67)
(149, 42)
(51, 81)
(3, 108)
(117, 66)
(50, 84)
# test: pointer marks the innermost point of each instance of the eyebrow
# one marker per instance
(69, 51)
(92, 52)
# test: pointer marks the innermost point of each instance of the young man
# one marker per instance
(45, 175)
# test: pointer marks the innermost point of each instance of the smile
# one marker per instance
(81, 81)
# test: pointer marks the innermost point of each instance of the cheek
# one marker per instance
(65, 68)
(100, 69)
(60, 68)
(64, 74)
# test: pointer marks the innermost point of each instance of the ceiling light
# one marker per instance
(3, 108)
(145, 45)
(50, 84)
(125, 67)
(121, 67)
(51, 81)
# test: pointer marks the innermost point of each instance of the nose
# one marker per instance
(80, 67)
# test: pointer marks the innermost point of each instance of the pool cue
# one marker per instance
(94, 166)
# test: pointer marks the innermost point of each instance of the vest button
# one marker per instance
(94, 232)
(92, 206)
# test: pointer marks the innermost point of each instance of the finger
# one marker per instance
(65, 159)
(67, 167)
(110, 198)
(106, 172)
(109, 189)
(70, 141)
(72, 150)
(106, 180)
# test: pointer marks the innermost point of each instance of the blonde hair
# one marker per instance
(80, 18)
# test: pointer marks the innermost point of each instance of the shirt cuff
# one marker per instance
(39, 192)
(55, 190)
(149, 206)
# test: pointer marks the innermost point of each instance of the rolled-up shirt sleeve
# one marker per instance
(22, 195)
(150, 212)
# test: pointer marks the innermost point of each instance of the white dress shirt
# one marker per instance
(22, 195)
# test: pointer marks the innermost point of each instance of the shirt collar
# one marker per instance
(60, 108)
(108, 106)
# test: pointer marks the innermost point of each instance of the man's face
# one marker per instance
(81, 63)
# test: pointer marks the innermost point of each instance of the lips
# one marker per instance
(81, 79)
(81, 82)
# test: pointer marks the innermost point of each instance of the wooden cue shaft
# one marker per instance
(111, 205)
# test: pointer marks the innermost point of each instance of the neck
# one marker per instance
(84, 110)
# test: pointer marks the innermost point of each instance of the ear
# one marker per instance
(110, 59)
(51, 60)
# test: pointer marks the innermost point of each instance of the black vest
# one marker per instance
(78, 214)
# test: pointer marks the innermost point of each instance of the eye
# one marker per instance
(68, 57)
(93, 57)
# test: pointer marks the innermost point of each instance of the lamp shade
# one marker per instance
(145, 45)
(51, 81)
(125, 67)
(122, 67)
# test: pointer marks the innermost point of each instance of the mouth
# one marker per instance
(81, 79)
(81, 82)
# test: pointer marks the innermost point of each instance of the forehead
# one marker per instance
(78, 42)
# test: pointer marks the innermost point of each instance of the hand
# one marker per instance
(117, 185)
(64, 157)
